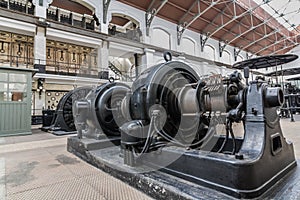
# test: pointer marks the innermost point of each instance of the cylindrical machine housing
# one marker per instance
(274, 96)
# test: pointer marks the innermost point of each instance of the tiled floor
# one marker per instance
(38, 167)
(291, 130)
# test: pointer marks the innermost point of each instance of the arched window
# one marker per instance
(161, 38)
(125, 26)
(209, 52)
(187, 46)
(226, 57)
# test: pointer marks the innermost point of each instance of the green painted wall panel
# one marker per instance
(15, 113)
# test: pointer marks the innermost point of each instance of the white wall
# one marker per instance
(160, 29)
(161, 38)
(226, 57)
(188, 46)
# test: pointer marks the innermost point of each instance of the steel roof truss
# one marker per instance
(236, 52)
(248, 56)
(234, 17)
(285, 47)
(152, 12)
(249, 11)
(181, 21)
(265, 22)
(222, 46)
(203, 39)
(262, 38)
(221, 14)
(183, 25)
(251, 28)
(281, 40)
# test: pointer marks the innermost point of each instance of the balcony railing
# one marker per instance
(16, 61)
(18, 5)
(135, 34)
(59, 68)
(71, 18)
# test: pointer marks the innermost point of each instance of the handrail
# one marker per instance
(52, 67)
(117, 71)
(27, 8)
(58, 14)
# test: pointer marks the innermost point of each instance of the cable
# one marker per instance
(233, 138)
(173, 140)
(147, 143)
(229, 130)
(225, 140)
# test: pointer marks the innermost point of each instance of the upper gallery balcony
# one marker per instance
(71, 18)
(24, 6)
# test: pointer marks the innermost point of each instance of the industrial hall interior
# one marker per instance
(152, 99)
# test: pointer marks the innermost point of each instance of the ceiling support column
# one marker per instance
(222, 46)
(105, 10)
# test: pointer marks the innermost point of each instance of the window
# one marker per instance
(209, 52)
(161, 38)
(187, 46)
(13, 87)
(226, 57)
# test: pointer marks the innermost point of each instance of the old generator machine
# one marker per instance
(218, 132)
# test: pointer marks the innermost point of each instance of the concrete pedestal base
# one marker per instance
(105, 155)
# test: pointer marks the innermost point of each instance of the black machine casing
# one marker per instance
(260, 159)
(63, 121)
(264, 156)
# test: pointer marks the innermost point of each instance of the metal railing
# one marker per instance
(68, 68)
(54, 67)
(17, 5)
(134, 35)
(291, 106)
(74, 19)
(123, 75)
(16, 61)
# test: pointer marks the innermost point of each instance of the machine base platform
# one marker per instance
(58, 133)
(105, 155)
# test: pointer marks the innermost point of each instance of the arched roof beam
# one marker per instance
(183, 25)
(152, 11)
(262, 38)
(207, 21)
(265, 22)
(234, 17)
(285, 47)
(250, 29)
(222, 12)
(240, 23)
(277, 42)
(244, 25)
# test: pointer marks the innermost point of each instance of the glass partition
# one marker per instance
(13, 87)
